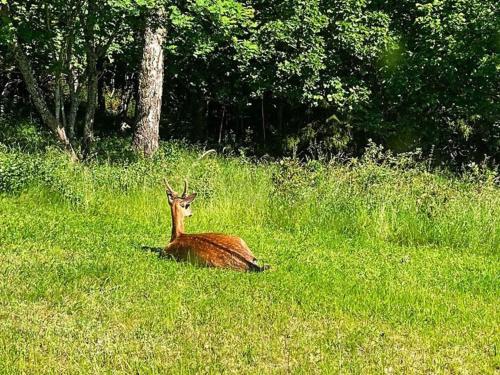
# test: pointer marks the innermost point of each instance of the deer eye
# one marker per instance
(187, 205)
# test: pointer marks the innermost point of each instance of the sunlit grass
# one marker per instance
(375, 269)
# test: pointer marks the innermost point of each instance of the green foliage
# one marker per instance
(15, 172)
(445, 76)
(217, 37)
(408, 74)
(294, 182)
(23, 135)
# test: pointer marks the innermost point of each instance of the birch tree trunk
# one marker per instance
(150, 90)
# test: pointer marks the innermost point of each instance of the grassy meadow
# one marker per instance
(378, 266)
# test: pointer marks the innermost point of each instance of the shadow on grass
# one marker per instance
(159, 250)
(152, 249)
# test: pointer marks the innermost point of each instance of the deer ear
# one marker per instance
(170, 197)
(190, 198)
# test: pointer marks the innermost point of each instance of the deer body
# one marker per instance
(205, 249)
(213, 250)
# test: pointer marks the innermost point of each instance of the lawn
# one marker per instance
(376, 267)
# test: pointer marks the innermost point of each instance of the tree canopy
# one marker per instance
(265, 76)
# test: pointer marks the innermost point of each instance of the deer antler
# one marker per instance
(169, 188)
(184, 193)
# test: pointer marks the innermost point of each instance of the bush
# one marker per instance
(17, 171)
(24, 135)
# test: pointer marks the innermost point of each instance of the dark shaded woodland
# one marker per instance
(307, 78)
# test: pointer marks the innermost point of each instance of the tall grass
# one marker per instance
(366, 201)
(378, 265)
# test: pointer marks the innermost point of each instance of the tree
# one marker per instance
(441, 83)
(146, 135)
(63, 39)
(22, 61)
(104, 25)
(264, 76)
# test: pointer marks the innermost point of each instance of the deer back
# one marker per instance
(213, 250)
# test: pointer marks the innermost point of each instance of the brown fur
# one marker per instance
(205, 249)
(213, 250)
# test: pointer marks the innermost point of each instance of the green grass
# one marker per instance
(375, 268)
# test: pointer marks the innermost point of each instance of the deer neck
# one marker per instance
(177, 223)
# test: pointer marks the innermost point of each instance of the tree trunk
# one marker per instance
(101, 100)
(280, 117)
(263, 118)
(221, 126)
(57, 98)
(63, 110)
(88, 128)
(74, 89)
(74, 94)
(91, 54)
(38, 99)
(150, 91)
(127, 92)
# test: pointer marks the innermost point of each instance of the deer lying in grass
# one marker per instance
(206, 249)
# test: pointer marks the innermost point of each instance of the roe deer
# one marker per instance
(206, 249)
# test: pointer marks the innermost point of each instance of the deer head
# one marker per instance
(180, 204)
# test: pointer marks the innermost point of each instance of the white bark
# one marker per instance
(146, 135)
